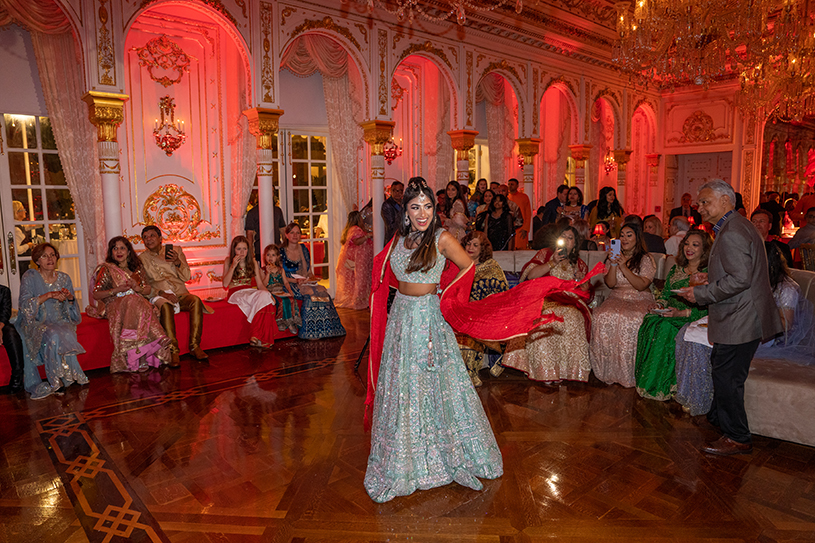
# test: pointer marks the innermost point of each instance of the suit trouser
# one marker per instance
(195, 307)
(14, 350)
(731, 364)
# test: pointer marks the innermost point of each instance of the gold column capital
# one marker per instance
(621, 157)
(528, 148)
(377, 133)
(463, 141)
(263, 124)
(652, 159)
(580, 152)
(105, 112)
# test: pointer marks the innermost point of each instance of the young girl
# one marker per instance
(288, 313)
(240, 269)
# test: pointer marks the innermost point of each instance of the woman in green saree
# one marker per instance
(655, 368)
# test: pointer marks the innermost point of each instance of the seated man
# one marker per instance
(805, 234)
(167, 270)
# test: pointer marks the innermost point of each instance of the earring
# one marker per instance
(407, 220)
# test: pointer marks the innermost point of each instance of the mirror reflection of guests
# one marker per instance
(615, 324)
(354, 264)
(489, 279)
(655, 368)
(320, 318)
(47, 322)
(139, 341)
(274, 277)
(10, 339)
(241, 276)
(557, 350)
(167, 272)
(422, 362)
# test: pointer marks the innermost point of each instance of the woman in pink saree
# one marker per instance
(139, 341)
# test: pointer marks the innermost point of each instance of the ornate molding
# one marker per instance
(562, 81)
(528, 148)
(469, 105)
(501, 65)
(397, 93)
(377, 133)
(747, 178)
(326, 23)
(535, 102)
(621, 157)
(426, 47)
(285, 15)
(105, 53)
(362, 30)
(163, 53)
(263, 124)
(266, 69)
(105, 112)
(382, 45)
(177, 213)
(698, 128)
(217, 5)
(463, 141)
(109, 158)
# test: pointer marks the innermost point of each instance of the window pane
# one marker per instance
(304, 226)
(321, 272)
(47, 134)
(320, 200)
(21, 131)
(62, 231)
(60, 204)
(32, 202)
(318, 175)
(54, 175)
(320, 253)
(321, 228)
(300, 174)
(299, 147)
(301, 202)
(317, 148)
(19, 175)
(71, 267)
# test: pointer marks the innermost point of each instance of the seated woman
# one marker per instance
(694, 382)
(489, 279)
(120, 283)
(558, 350)
(617, 321)
(320, 318)
(574, 209)
(274, 277)
(497, 222)
(583, 228)
(240, 271)
(354, 264)
(655, 369)
(47, 323)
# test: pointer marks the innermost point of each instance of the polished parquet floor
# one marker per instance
(269, 447)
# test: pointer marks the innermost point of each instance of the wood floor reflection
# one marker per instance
(269, 446)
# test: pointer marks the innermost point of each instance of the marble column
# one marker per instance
(528, 148)
(463, 141)
(263, 124)
(106, 113)
(652, 161)
(580, 153)
(377, 134)
(621, 157)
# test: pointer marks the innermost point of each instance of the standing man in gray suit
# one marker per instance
(742, 312)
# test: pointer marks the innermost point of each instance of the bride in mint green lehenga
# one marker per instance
(429, 427)
(655, 368)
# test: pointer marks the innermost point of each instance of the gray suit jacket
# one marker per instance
(738, 292)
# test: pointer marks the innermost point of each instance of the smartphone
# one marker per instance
(168, 248)
(615, 247)
(561, 247)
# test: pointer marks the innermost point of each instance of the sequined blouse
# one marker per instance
(241, 277)
(400, 257)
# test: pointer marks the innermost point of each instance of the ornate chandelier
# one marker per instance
(391, 151)
(410, 9)
(169, 134)
(609, 164)
(767, 44)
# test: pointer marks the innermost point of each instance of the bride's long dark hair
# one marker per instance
(424, 257)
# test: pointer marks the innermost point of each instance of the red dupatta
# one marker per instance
(498, 317)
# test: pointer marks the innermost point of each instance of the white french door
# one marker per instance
(306, 195)
(35, 202)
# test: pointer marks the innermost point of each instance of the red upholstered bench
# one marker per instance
(224, 328)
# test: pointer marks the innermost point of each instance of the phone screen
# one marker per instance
(168, 248)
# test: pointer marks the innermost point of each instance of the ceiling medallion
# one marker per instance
(164, 54)
(410, 9)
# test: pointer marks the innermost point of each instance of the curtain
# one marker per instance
(41, 16)
(437, 145)
(500, 129)
(312, 53)
(244, 166)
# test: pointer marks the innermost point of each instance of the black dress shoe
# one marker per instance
(724, 446)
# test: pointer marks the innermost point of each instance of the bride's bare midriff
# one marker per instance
(416, 289)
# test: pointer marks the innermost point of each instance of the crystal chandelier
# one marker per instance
(767, 44)
(391, 151)
(169, 133)
(609, 164)
(410, 9)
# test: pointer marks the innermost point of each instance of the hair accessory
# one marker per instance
(418, 183)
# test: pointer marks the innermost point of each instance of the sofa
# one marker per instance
(777, 394)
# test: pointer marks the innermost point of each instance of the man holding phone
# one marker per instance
(167, 271)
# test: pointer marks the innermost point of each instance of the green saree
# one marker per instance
(655, 369)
